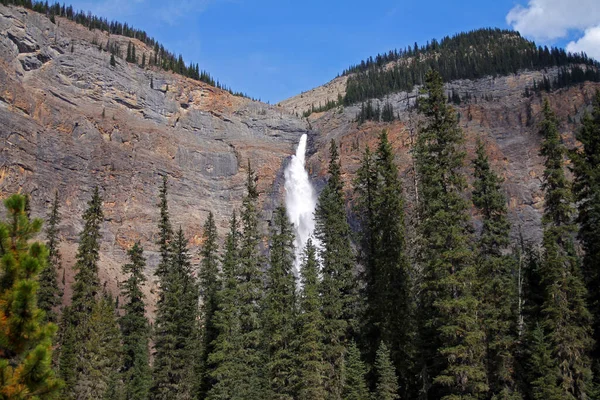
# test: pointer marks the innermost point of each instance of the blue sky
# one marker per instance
(274, 49)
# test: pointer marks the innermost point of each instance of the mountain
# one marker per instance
(496, 98)
(72, 120)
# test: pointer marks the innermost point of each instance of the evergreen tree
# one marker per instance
(113, 62)
(100, 357)
(542, 368)
(310, 354)
(165, 231)
(223, 360)
(87, 283)
(495, 270)
(250, 291)
(381, 206)
(25, 338)
(387, 383)
(586, 165)
(279, 308)
(176, 328)
(135, 328)
(210, 286)
(355, 386)
(49, 294)
(76, 323)
(453, 347)
(565, 318)
(339, 289)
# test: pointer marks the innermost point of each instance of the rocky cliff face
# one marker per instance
(69, 121)
(498, 113)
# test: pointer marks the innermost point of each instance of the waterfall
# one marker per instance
(300, 200)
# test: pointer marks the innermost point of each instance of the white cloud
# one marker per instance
(550, 20)
(553, 19)
(589, 43)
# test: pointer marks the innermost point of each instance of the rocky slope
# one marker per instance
(498, 113)
(69, 121)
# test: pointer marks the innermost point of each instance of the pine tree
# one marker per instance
(387, 383)
(381, 205)
(210, 286)
(113, 62)
(339, 289)
(49, 294)
(77, 318)
(310, 354)
(176, 333)
(100, 356)
(279, 307)
(453, 348)
(565, 318)
(223, 360)
(495, 270)
(250, 288)
(25, 338)
(135, 328)
(586, 166)
(355, 386)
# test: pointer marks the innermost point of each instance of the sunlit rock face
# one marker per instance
(70, 121)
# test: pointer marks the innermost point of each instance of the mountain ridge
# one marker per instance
(71, 120)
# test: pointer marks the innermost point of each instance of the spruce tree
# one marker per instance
(355, 386)
(311, 366)
(135, 328)
(77, 318)
(565, 318)
(49, 293)
(210, 286)
(279, 309)
(339, 288)
(176, 328)
(250, 291)
(223, 367)
(87, 283)
(495, 270)
(380, 203)
(453, 349)
(387, 382)
(586, 166)
(100, 357)
(25, 337)
(542, 368)
(165, 231)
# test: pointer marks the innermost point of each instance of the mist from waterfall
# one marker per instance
(300, 200)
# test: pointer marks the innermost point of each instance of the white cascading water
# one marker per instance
(300, 200)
